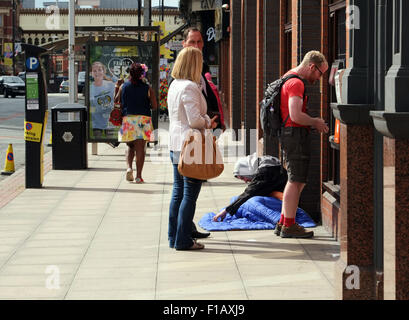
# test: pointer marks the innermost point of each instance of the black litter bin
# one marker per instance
(69, 136)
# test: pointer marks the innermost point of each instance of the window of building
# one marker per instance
(288, 36)
(337, 53)
(58, 66)
(1, 20)
(288, 50)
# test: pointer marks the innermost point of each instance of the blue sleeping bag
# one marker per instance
(257, 213)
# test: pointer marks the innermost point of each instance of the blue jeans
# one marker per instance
(182, 207)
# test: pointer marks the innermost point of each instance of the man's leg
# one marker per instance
(296, 150)
(291, 198)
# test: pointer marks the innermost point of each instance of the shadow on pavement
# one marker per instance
(106, 169)
(105, 190)
(291, 251)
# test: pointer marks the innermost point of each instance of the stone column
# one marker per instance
(355, 272)
(393, 124)
(356, 203)
(357, 82)
(397, 79)
(396, 213)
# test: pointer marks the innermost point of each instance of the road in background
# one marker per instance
(12, 127)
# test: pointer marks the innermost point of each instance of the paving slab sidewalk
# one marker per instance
(89, 234)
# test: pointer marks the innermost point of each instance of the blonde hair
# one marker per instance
(188, 65)
(96, 63)
(314, 57)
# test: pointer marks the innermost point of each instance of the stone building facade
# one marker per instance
(358, 187)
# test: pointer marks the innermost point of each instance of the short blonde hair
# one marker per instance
(314, 57)
(188, 65)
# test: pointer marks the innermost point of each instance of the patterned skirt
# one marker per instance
(135, 127)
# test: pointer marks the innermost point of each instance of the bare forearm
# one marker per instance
(303, 119)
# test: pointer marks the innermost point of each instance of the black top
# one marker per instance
(135, 99)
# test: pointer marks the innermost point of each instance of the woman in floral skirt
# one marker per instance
(137, 99)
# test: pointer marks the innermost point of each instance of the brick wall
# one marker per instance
(295, 34)
(271, 58)
(235, 90)
(282, 37)
(225, 79)
(306, 36)
(250, 74)
(259, 70)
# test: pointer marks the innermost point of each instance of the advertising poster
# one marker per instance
(8, 53)
(164, 50)
(109, 62)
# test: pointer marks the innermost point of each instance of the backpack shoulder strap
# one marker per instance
(284, 79)
(292, 76)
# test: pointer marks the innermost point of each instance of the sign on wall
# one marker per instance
(201, 5)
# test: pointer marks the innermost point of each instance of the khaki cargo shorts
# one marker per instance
(295, 146)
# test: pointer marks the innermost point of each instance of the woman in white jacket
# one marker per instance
(187, 109)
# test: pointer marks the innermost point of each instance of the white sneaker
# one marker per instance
(129, 174)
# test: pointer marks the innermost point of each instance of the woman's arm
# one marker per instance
(191, 99)
(117, 97)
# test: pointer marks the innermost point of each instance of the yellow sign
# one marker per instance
(8, 62)
(126, 51)
(163, 33)
(32, 131)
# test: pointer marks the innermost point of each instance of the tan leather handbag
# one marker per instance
(200, 157)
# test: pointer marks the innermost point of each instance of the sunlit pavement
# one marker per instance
(89, 234)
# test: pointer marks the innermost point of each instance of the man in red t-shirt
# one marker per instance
(295, 139)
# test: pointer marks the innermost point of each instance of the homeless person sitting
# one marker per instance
(270, 177)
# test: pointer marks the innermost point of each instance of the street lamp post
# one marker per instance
(147, 12)
(139, 12)
(71, 58)
(14, 37)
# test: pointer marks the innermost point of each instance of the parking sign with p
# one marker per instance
(32, 63)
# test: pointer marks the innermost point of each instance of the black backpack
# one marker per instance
(270, 111)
